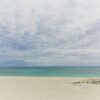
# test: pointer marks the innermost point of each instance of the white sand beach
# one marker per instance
(49, 88)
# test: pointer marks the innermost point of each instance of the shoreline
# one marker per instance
(49, 88)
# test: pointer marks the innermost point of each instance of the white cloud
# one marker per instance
(50, 32)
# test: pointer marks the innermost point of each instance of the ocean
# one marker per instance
(68, 71)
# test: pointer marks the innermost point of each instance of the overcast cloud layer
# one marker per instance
(49, 33)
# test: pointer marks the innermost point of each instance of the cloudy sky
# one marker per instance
(49, 33)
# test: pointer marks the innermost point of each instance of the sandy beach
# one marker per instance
(49, 88)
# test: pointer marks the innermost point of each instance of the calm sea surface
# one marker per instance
(83, 71)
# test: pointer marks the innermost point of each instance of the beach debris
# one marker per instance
(88, 81)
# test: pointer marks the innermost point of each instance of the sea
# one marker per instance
(67, 71)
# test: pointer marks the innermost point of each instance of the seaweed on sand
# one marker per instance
(89, 81)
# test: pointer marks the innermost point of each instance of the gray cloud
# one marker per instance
(49, 32)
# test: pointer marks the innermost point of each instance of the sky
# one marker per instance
(49, 33)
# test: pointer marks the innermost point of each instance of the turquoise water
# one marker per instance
(72, 71)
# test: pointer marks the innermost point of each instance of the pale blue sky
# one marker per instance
(49, 32)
